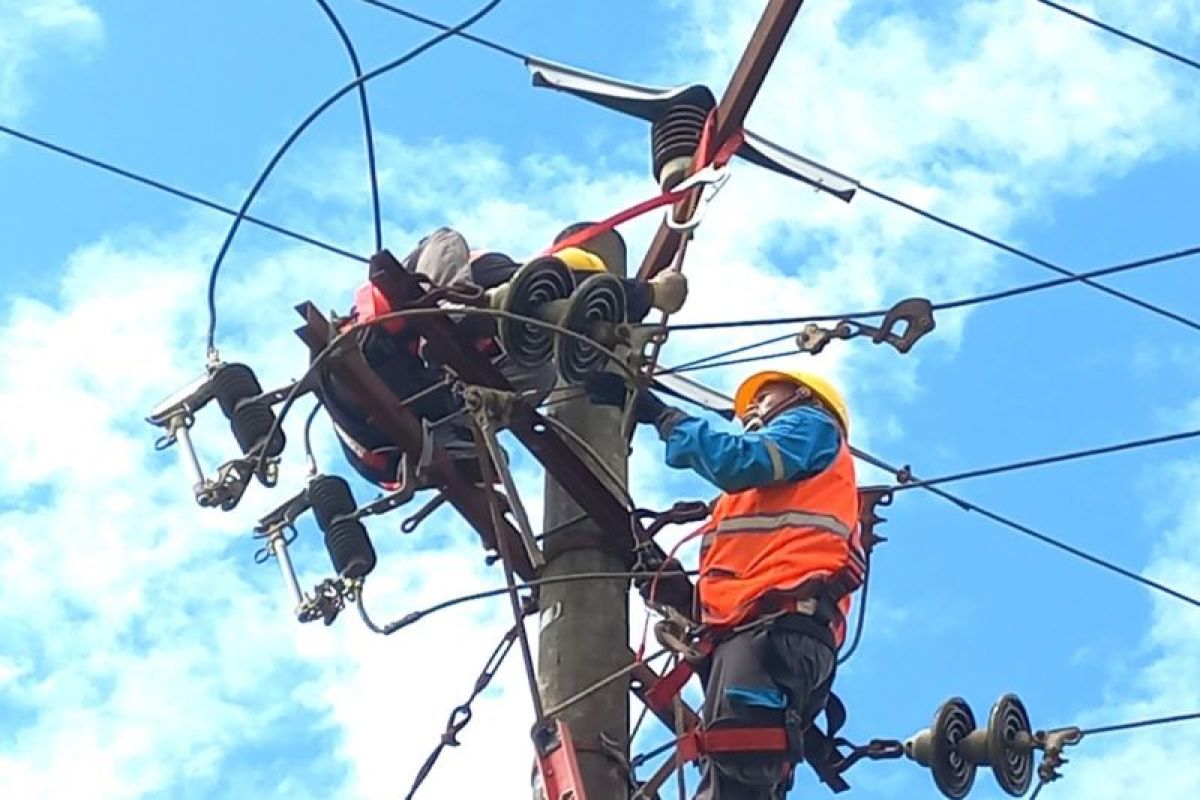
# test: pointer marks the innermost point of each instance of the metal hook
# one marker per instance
(711, 180)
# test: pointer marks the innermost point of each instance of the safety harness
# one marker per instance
(799, 738)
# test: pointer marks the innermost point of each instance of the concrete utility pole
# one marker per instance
(585, 625)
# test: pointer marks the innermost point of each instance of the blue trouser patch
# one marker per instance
(756, 697)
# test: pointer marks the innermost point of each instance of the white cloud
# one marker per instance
(28, 29)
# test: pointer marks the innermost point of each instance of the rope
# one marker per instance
(584, 694)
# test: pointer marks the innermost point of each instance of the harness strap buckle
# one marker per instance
(698, 742)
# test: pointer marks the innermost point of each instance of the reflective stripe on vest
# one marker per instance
(770, 523)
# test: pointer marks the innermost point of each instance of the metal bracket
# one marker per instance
(273, 527)
(916, 312)
(326, 602)
(487, 406)
(869, 498)
(233, 478)
(1052, 744)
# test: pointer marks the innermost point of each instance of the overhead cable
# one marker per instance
(295, 134)
(879, 194)
(1044, 538)
(1129, 37)
(182, 194)
(1144, 723)
(1055, 459)
(974, 300)
(1031, 258)
(368, 131)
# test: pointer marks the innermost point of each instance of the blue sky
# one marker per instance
(145, 655)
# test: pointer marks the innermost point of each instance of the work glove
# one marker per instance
(609, 389)
(668, 290)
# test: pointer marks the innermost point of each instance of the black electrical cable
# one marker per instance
(1144, 723)
(368, 131)
(303, 126)
(861, 623)
(415, 616)
(966, 505)
(733, 351)
(309, 456)
(1002, 294)
(1055, 459)
(433, 23)
(525, 57)
(182, 194)
(1129, 37)
(731, 362)
(1031, 258)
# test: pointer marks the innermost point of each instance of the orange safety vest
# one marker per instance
(789, 541)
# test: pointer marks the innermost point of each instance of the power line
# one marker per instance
(1145, 723)
(1129, 37)
(1056, 459)
(433, 23)
(696, 367)
(368, 132)
(1002, 294)
(182, 194)
(415, 616)
(1031, 258)
(877, 193)
(1044, 538)
(303, 126)
(731, 352)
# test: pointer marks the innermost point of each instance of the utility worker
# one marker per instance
(394, 350)
(779, 558)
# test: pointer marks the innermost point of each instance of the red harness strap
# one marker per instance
(697, 743)
(662, 693)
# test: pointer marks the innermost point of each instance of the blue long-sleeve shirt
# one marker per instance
(797, 444)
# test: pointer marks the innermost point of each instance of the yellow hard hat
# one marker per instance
(823, 389)
(576, 258)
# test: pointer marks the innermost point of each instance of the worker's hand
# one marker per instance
(609, 389)
(668, 289)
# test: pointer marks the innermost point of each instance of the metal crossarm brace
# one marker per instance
(386, 411)
(530, 428)
(730, 113)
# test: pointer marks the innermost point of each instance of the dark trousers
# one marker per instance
(753, 678)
